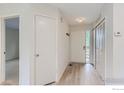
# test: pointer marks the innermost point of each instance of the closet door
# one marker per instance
(45, 67)
(100, 49)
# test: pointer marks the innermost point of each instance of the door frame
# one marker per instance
(99, 24)
(3, 47)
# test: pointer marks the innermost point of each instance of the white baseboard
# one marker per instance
(76, 62)
(114, 81)
(61, 74)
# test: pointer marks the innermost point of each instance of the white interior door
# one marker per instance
(77, 46)
(100, 49)
(45, 50)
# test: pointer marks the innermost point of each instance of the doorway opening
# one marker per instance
(87, 53)
(11, 51)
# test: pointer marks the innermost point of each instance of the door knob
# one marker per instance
(37, 55)
(84, 47)
(4, 52)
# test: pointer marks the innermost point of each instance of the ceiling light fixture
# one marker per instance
(80, 19)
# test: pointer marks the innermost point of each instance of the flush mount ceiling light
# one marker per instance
(80, 19)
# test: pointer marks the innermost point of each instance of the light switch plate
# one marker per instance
(117, 34)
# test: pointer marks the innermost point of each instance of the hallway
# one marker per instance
(58, 37)
(80, 74)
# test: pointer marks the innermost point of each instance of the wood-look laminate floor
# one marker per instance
(80, 74)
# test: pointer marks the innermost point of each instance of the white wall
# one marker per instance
(77, 41)
(114, 44)
(118, 43)
(62, 41)
(12, 43)
(36, 9)
(62, 46)
(107, 13)
(27, 14)
(25, 19)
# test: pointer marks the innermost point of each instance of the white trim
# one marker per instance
(45, 16)
(61, 74)
(110, 81)
(99, 22)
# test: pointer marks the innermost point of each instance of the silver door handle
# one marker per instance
(37, 55)
(4, 52)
